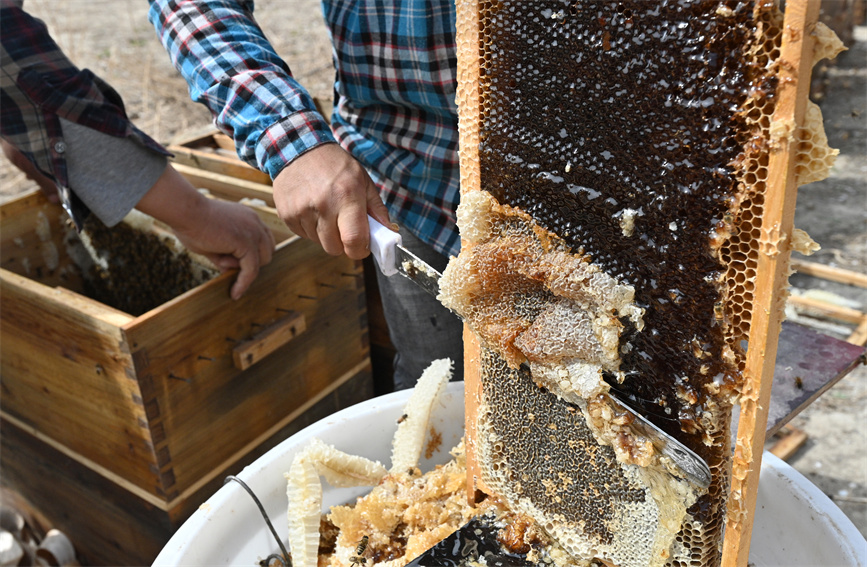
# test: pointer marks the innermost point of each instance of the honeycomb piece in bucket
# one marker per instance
(411, 431)
(304, 488)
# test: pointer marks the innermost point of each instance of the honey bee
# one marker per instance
(362, 545)
(356, 560)
(400, 420)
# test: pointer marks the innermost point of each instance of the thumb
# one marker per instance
(377, 209)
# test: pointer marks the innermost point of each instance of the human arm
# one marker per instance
(66, 128)
(320, 191)
(229, 234)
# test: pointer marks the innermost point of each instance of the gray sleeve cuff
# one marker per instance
(110, 175)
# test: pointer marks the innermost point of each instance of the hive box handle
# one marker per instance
(268, 340)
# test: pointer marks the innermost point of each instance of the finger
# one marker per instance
(309, 230)
(376, 208)
(249, 270)
(296, 227)
(266, 247)
(298, 223)
(354, 232)
(329, 236)
(224, 262)
(283, 202)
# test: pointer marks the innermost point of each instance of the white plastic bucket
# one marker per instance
(796, 524)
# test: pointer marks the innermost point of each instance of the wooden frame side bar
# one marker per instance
(468, 128)
(796, 62)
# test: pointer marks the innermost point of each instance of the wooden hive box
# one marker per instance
(208, 160)
(117, 427)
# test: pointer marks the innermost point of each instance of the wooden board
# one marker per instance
(108, 524)
(825, 309)
(808, 365)
(225, 186)
(788, 442)
(189, 382)
(268, 340)
(829, 273)
(66, 373)
(217, 160)
(859, 335)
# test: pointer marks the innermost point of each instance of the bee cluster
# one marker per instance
(131, 268)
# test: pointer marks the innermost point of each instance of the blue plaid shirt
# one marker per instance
(395, 107)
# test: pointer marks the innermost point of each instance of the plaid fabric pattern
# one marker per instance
(395, 87)
(38, 86)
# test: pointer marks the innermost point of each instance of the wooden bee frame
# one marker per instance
(796, 61)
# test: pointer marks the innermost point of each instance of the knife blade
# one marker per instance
(689, 464)
(392, 258)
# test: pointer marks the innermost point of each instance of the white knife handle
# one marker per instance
(382, 243)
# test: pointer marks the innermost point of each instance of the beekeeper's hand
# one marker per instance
(229, 234)
(325, 195)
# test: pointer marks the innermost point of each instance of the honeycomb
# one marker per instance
(815, 158)
(535, 300)
(409, 512)
(131, 267)
(576, 491)
(622, 153)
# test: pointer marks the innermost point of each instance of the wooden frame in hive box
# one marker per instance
(117, 427)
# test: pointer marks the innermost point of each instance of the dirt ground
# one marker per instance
(114, 39)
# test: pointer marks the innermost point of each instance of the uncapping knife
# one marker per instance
(392, 258)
